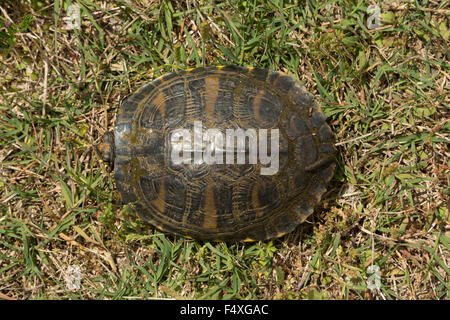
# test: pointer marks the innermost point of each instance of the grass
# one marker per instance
(385, 93)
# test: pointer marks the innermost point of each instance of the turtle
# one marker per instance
(185, 157)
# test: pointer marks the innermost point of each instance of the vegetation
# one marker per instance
(385, 93)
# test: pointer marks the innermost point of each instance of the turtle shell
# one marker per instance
(233, 194)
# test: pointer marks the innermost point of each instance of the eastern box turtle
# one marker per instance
(190, 153)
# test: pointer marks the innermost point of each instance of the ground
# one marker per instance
(381, 231)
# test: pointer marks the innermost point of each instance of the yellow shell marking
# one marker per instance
(159, 202)
(257, 105)
(280, 234)
(210, 221)
(255, 199)
(159, 102)
(212, 89)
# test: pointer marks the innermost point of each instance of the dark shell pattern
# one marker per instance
(229, 202)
